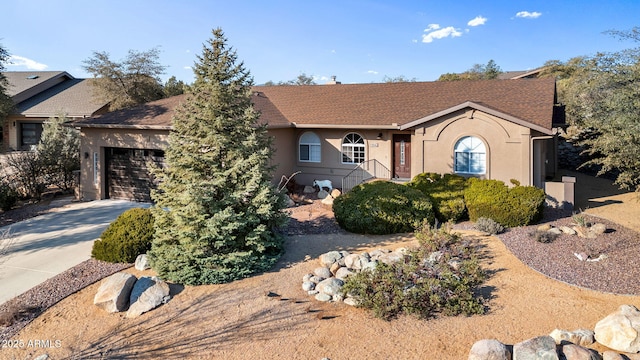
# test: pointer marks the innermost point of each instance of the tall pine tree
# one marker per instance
(216, 210)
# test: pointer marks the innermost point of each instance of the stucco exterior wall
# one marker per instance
(508, 145)
(284, 152)
(331, 166)
(92, 156)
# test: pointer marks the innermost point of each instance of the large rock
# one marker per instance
(619, 330)
(308, 189)
(113, 294)
(327, 259)
(335, 193)
(331, 286)
(582, 337)
(142, 262)
(575, 352)
(489, 349)
(542, 347)
(322, 272)
(147, 294)
(611, 355)
(322, 194)
(328, 201)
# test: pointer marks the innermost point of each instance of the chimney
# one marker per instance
(333, 81)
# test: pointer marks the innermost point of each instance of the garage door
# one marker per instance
(128, 175)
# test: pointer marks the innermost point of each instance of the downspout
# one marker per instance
(531, 152)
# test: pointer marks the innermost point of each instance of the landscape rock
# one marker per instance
(611, 355)
(576, 352)
(290, 202)
(343, 273)
(322, 272)
(142, 262)
(567, 230)
(335, 193)
(308, 286)
(555, 231)
(489, 349)
(619, 330)
(355, 261)
(351, 301)
(329, 258)
(323, 297)
(147, 294)
(544, 227)
(113, 294)
(542, 347)
(327, 201)
(331, 286)
(582, 337)
(391, 258)
(598, 228)
(323, 194)
(334, 268)
(308, 189)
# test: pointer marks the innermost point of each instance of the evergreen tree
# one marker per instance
(58, 151)
(216, 210)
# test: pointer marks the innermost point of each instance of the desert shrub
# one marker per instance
(446, 193)
(488, 225)
(28, 175)
(423, 285)
(126, 237)
(516, 206)
(382, 207)
(544, 236)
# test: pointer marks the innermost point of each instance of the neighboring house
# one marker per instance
(39, 95)
(495, 129)
(525, 74)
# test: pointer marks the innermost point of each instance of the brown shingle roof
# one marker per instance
(530, 100)
(370, 105)
(73, 97)
(20, 81)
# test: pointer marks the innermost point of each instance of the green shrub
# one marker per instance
(382, 207)
(446, 193)
(488, 225)
(511, 207)
(126, 237)
(421, 286)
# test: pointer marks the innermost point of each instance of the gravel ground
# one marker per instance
(616, 274)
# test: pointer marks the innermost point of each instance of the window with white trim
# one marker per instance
(353, 149)
(309, 147)
(470, 156)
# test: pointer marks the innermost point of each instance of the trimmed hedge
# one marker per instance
(446, 193)
(511, 207)
(382, 207)
(126, 237)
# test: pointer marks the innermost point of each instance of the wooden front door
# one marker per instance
(402, 156)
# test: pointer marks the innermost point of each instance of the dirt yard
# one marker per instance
(240, 321)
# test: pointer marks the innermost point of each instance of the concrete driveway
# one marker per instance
(47, 245)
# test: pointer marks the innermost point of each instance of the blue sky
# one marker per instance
(359, 41)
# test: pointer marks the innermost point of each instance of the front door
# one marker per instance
(402, 156)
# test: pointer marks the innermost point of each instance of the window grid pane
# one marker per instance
(353, 149)
(470, 156)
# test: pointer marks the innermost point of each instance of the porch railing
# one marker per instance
(370, 169)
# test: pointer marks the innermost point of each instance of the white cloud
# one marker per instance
(432, 27)
(528, 15)
(373, 72)
(15, 60)
(187, 67)
(479, 20)
(438, 33)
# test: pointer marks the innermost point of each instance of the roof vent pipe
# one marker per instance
(333, 81)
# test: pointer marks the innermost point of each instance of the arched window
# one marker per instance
(352, 149)
(309, 147)
(470, 156)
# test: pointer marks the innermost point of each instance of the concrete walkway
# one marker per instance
(46, 245)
